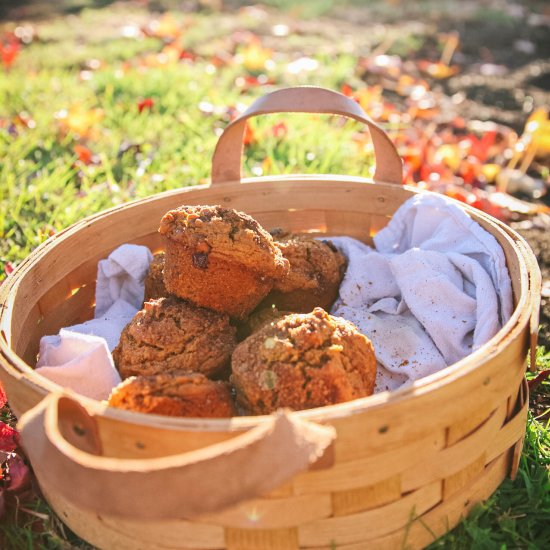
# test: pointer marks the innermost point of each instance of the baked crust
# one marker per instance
(170, 334)
(302, 361)
(174, 394)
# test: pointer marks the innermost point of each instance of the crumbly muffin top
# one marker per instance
(226, 233)
(313, 263)
(303, 361)
(157, 265)
(175, 393)
(170, 334)
(154, 281)
(310, 337)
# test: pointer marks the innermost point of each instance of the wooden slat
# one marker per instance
(522, 399)
(368, 525)
(457, 481)
(509, 434)
(354, 224)
(109, 533)
(436, 522)
(369, 470)
(276, 539)
(451, 460)
(134, 440)
(468, 423)
(382, 427)
(74, 309)
(360, 499)
(285, 490)
(272, 513)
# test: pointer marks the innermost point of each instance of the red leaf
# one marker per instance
(8, 268)
(279, 130)
(83, 153)
(18, 474)
(9, 438)
(3, 398)
(249, 135)
(146, 103)
(9, 51)
(347, 90)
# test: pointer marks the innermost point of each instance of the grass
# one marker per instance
(74, 142)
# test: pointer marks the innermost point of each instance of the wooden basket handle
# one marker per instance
(227, 159)
(63, 443)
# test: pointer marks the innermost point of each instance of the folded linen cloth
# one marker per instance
(121, 276)
(80, 362)
(435, 289)
(79, 357)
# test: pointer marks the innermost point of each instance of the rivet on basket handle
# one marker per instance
(227, 159)
(170, 487)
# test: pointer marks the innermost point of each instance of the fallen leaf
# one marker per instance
(255, 57)
(437, 69)
(9, 438)
(249, 135)
(166, 27)
(81, 121)
(83, 153)
(279, 130)
(18, 475)
(9, 50)
(146, 103)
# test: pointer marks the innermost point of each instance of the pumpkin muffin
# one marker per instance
(170, 334)
(258, 318)
(302, 361)
(174, 394)
(316, 271)
(154, 282)
(219, 258)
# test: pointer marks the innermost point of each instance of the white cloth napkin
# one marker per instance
(435, 289)
(121, 276)
(78, 361)
(79, 357)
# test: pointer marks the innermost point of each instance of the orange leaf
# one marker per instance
(438, 70)
(80, 121)
(249, 135)
(83, 153)
(166, 27)
(255, 57)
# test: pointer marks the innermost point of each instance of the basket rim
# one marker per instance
(521, 314)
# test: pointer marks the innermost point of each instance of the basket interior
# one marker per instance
(57, 287)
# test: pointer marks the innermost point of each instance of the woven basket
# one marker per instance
(403, 467)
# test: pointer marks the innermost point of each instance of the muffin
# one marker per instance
(219, 258)
(154, 282)
(174, 394)
(316, 271)
(258, 318)
(170, 334)
(302, 361)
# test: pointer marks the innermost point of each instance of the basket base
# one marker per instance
(110, 533)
